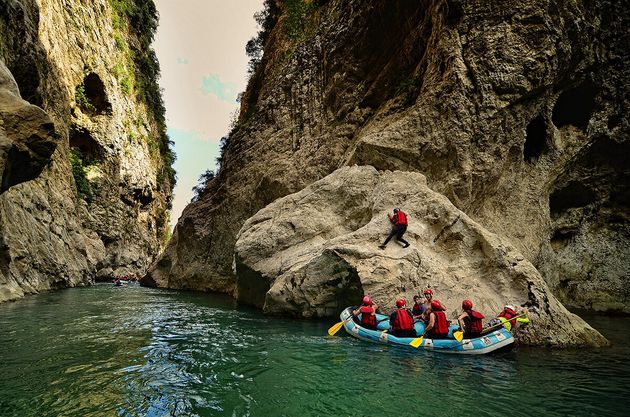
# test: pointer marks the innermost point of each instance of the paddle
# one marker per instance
(507, 323)
(417, 341)
(485, 331)
(335, 328)
(459, 335)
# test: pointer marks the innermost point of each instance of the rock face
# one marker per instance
(86, 180)
(512, 110)
(27, 135)
(313, 253)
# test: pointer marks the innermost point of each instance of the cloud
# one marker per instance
(201, 48)
(212, 84)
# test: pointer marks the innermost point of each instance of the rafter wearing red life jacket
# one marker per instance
(508, 312)
(473, 324)
(440, 327)
(403, 320)
(400, 218)
(368, 317)
(440, 330)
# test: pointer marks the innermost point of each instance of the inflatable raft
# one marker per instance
(499, 339)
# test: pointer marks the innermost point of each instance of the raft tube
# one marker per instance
(500, 339)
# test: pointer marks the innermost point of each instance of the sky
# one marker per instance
(201, 48)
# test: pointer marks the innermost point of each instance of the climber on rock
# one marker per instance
(399, 227)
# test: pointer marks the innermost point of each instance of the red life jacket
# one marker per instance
(400, 219)
(472, 322)
(368, 318)
(403, 320)
(441, 325)
(508, 313)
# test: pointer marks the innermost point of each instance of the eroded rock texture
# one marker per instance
(27, 135)
(83, 192)
(314, 252)
(508, 108)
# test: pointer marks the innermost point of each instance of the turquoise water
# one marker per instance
(132, 351)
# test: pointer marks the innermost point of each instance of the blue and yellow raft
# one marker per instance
(499, 339)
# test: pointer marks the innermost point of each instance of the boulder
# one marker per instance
(314, 252)
(27, 135)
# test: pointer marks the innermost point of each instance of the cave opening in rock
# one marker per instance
(143, 196)
(573, 195)
(95, 94)
(535, 139)
(81, 139)
(575, 106)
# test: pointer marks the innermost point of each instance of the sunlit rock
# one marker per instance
(314, 252)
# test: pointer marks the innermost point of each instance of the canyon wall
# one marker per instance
(516, 111)
(86, 183)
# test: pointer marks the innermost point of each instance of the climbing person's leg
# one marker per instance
(391, 235)
(399, 236)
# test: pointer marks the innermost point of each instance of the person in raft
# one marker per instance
(470, 321)
(399, 227)
(418, 308)
(401, 321)
(368, 313)
(438, 324)
(509, 317)
(428, 295)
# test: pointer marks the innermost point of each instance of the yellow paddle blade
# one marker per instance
(334, 329)
(458, 336)
(416, 342)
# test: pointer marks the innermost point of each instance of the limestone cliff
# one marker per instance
(516, 111)
(89, 193)
(313, 253)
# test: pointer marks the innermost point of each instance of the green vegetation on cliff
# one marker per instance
(138, 20)
(84, 189)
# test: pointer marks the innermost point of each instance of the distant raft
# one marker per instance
(497, 340)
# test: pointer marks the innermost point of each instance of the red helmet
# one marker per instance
(436, 305)
(428, 291)
(466, 304)
(367, 301)
(400, 303)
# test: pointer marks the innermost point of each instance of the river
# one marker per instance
(133, 351)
